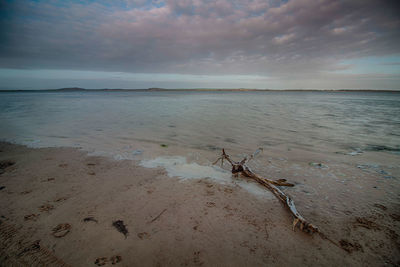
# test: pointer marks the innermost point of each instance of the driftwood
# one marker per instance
(243, 169)
(298, 220)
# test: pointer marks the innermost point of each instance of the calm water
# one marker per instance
(109, 121)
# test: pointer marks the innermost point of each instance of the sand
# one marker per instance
(196, 222)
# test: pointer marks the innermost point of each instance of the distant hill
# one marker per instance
(156, 89)
(71, 89)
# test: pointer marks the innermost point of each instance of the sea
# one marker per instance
(113, 123)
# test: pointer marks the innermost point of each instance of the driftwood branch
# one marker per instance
(298, 220)
(243, 169)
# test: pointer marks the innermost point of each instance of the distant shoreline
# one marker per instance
(76, 89)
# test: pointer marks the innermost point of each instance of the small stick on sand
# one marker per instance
(158, 216)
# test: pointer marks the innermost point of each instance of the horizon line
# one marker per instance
(152, 89)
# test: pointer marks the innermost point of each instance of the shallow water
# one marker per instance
(111, 121)
(177, 166)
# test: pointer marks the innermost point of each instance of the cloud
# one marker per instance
(299, 38)
(284, 38)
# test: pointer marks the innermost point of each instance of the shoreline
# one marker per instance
(190, 222)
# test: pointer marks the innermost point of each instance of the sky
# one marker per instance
(263, 44)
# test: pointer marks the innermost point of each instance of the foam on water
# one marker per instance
(178, 166)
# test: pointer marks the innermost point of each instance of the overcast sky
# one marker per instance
(311, 44)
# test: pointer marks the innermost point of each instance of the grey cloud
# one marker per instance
(300, 37)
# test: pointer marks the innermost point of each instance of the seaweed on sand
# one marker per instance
(120, 226)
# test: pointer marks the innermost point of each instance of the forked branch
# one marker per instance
(298, 220)
(243, 169)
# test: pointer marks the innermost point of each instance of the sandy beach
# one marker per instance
(199, 133)
(193, 222)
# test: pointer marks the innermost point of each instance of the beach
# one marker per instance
(177, 221)
(199, 133)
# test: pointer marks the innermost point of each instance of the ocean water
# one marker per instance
(109, 122)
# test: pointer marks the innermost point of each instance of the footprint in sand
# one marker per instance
(31, 217)
(64, 165)
(196, 258)
(364, 222)
(48, 180)
(228, 190)
(101, 261)
(210, 204)
(90, 219)
(143, 235)
(115, 259)
(61, 230)
(60, 199)
(210, 193)
(46, 207)
(349, 247)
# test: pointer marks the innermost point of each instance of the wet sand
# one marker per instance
(172, 222)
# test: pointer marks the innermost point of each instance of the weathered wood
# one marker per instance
(298, 220)
(243, 169)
